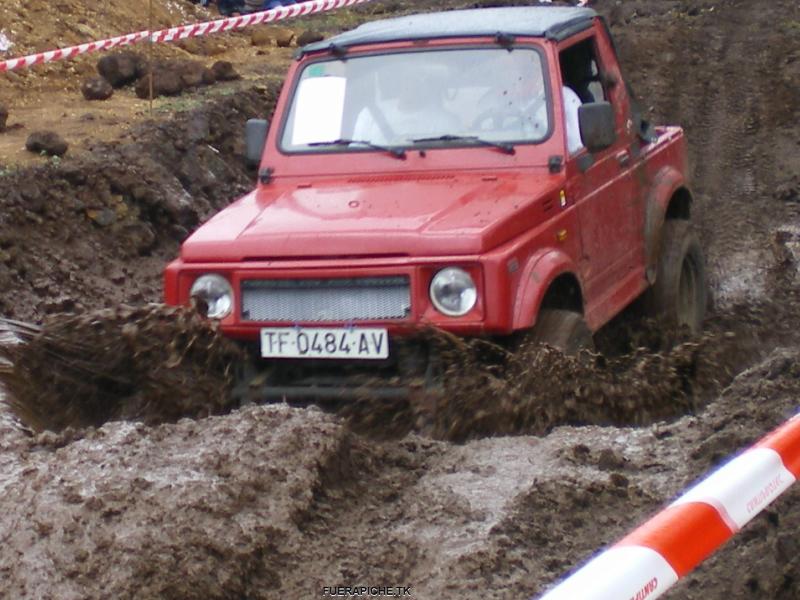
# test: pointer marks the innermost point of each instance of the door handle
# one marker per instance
(623, 158)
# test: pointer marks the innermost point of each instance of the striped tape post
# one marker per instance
(649, 561)
(184, 31)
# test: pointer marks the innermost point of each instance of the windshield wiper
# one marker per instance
(396, 152)
(504, 146)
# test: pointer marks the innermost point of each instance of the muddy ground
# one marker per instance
(279, 502)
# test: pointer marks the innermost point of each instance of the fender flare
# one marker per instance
(541, 269)
(667, 182)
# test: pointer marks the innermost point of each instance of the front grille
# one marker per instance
(317, 300)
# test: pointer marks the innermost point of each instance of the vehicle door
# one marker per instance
(602, 185)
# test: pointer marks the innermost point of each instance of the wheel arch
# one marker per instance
(549, 280)
(669, 198)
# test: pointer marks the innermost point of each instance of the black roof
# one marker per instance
(554, 22)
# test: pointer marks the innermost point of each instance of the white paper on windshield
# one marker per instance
(318, 110)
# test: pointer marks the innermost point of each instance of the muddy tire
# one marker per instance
(679, 295)
(562, 329)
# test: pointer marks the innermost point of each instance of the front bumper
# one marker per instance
(489, 316)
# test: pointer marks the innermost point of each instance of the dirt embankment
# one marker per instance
(97, 230)
(275, 501)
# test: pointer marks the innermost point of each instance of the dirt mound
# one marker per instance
(152, 364)
(198, 510)
(97, 229)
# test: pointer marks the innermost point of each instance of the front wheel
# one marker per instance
(679, 295)
(562, 329)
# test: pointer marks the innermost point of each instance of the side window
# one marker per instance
(580, 75)
(580, 71)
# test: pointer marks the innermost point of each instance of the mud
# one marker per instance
(152, 364)
(485, 389)
(504, 484)
(276, 501)
(96, 230)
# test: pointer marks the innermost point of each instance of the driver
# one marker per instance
(516, 105)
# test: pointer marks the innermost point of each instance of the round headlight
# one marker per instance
(216, 293)
(453, 292)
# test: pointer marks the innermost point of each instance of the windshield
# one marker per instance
(457, 97)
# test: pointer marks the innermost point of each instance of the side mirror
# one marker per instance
(598, 130)
(255, 137)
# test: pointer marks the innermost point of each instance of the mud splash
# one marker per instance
(152, 364)
(486, 390)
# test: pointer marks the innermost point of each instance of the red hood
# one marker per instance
(370, 216)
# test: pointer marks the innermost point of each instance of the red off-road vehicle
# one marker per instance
(480, 171)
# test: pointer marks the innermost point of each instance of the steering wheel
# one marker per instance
(508, 118)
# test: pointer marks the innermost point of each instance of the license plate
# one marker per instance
(322, 342)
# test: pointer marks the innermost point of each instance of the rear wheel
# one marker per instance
(562, 329)
(679, 295)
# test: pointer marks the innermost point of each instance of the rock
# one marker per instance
(170, 78)
(34, 199)
(97, 88)
(194, 74)
(202, 46)
(284, 38)
(47, 142)
(3, 117)
(309, 37)
(122, 68)
(103, 217)
(224, 71)
(166, 82)
(609, 460)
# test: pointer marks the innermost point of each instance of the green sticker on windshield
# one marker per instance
(316, 71)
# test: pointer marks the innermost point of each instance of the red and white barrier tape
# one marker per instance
(178, 33)
(646, 563)
(65, 53)
(267, 16)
